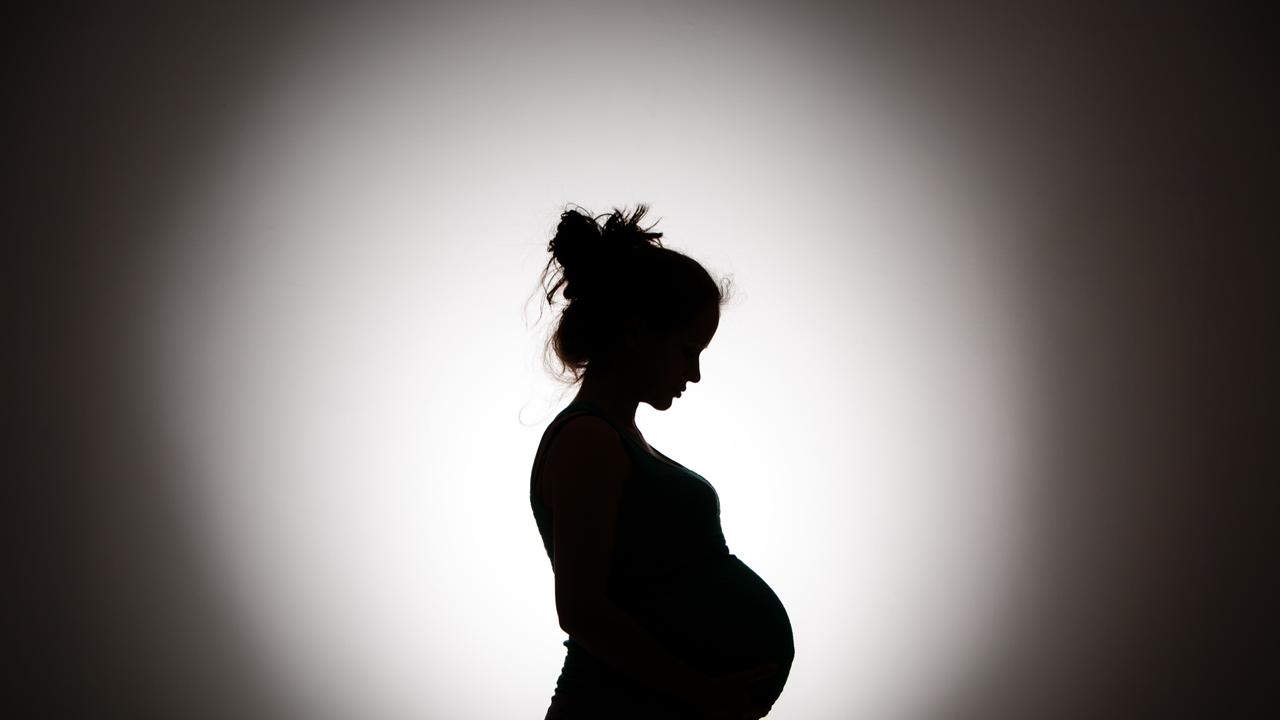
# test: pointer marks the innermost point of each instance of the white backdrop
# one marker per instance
(350, 351)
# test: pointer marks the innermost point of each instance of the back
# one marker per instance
(582, 479)
(556, 456)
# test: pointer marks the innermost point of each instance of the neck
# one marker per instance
(605, 392)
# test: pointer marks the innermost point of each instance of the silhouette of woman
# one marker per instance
(663, 621)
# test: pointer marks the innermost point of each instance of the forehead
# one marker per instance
(702, 326)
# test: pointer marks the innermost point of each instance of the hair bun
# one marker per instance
(591, 255)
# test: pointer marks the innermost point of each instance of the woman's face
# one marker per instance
(671, 362)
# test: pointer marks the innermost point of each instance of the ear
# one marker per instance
(631, 336)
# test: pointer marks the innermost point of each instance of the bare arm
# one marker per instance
(586, 467)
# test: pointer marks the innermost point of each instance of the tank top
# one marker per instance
(672, 571)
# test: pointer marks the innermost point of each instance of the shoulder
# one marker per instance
(585, 437)
(585, 450)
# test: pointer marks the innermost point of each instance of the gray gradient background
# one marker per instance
(1130, 145)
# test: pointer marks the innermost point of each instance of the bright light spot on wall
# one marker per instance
(353, 367)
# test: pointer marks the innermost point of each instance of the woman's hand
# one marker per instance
(727, 698)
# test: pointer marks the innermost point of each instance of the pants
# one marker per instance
(589, 690)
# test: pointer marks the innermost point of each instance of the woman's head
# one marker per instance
(633, 307)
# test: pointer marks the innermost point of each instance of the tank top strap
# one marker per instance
(637, 452)
(585, 406)
(556, 425)
(640, 453)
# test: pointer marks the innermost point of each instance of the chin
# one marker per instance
(662, 404)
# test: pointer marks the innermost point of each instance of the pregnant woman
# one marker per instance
(663, 621)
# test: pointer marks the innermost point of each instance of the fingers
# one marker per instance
(732, 689)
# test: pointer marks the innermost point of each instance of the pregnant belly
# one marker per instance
(720, 618)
